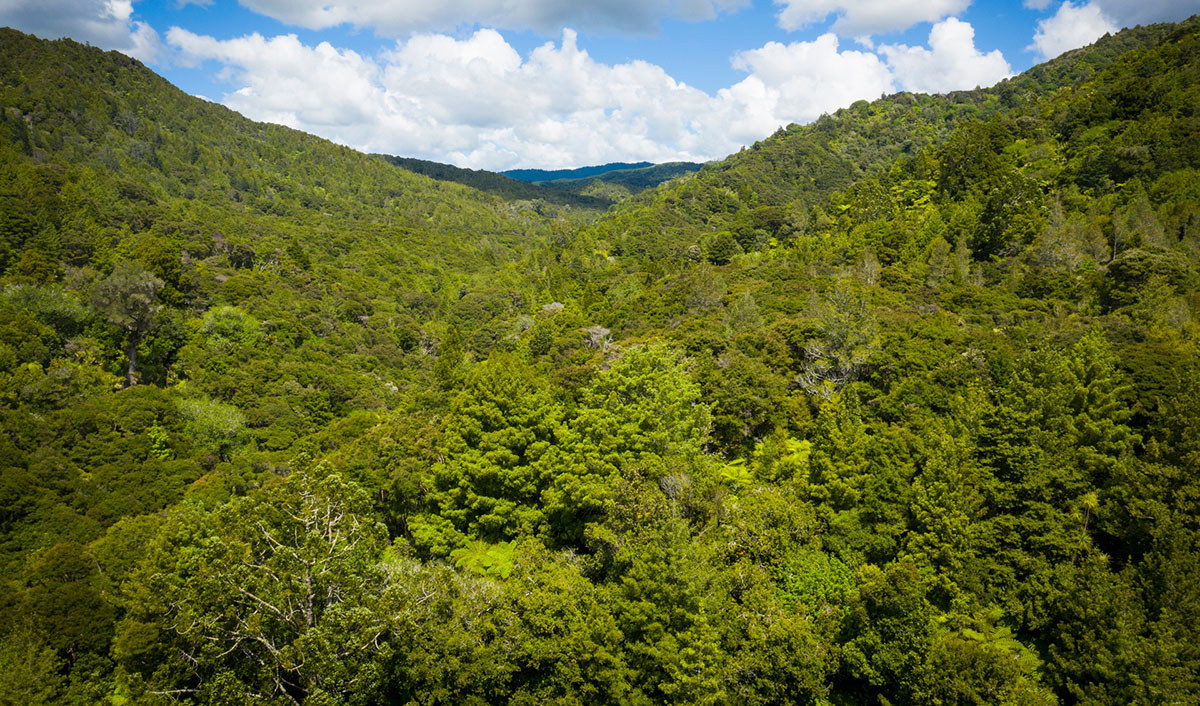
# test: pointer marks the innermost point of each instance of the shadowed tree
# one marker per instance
(128, 298)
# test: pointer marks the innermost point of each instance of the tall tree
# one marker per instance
(128, 298)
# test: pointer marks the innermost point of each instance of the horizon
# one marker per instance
(542, 84)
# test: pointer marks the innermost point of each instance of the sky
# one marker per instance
(503, 84)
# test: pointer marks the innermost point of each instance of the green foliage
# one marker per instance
(498, 459)
(897, 407)
(723, 248)
(485, 559)
(243, 592)
(31, 670)
(127, 298)
(210, 424)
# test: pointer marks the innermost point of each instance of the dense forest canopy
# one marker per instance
(899, 407)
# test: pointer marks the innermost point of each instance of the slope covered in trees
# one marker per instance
(535, 176)
(283, 281)
(781, 177)
(899, 407)
(503, 186)
(593, 188)
(619, 184)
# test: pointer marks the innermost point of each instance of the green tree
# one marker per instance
(498, 460)
(450, 355)
(238, 595)
(722, 248)
(128, 298)
(30, 668)
(1055, 439)
(846, 336)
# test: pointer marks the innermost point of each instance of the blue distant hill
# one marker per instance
(536, 175)
(587, 187)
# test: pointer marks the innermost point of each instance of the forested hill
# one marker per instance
(503, 186)
(540, 175)
(801, 164)
(899, 407)
(597, 189)
(619, 184)
(270, 282)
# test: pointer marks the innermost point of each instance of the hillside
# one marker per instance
(500, 185)
(599, 188)
(898, 407)
(618, 184)
(784, 175)
(539, 175)
(295, 283)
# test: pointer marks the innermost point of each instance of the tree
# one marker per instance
(846, 338)
(1011, 216)
(1056, 440)
(450, 354)
(888, 635)
(63, 598)
(30, 669)
(641, 418)
(128, 298)
(661, 602)
(742, 316)
(723, 248)
(947, 506)
(544, 634)
(503, 426)
(239, 597)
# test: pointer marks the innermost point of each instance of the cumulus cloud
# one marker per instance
(396, 19)
(1076, 24)
(477, 102)
(862, 18)
(1071, 27)
(802, 80)
(1128, 13)
(950, 63)
(107, 24)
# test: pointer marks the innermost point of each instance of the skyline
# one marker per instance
(501, 84)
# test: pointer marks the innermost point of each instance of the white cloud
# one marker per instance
(477, 102)
(105, 23)
(802, 80)
(950, 63)
(1071, 27)
(395, 19)
(320, 87)
(1128, 13)
(862, 18)
(1078, 24)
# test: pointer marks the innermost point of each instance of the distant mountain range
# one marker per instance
(503, 186)
(587, 187)
(537, 175)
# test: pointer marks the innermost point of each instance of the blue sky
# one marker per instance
(500, 84)
(697, 53)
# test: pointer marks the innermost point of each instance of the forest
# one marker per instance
(898, 407)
